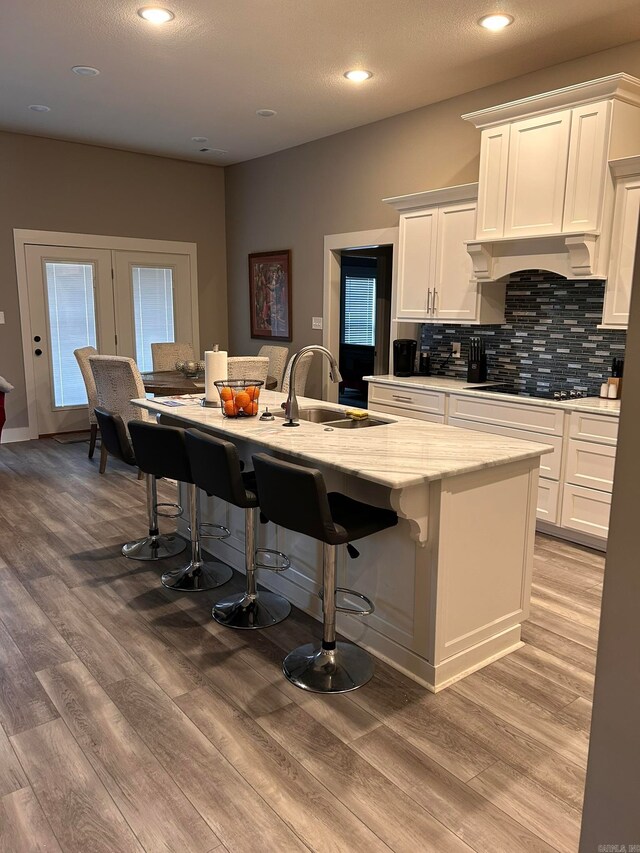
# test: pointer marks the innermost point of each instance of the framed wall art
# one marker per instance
(270, 295)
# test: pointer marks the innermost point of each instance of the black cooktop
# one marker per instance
(528, 391)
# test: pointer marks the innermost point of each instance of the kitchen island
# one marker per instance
(451, 582)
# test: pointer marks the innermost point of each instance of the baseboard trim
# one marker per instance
(15, 434)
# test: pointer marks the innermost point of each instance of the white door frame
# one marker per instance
(23, 237)
(333, 245)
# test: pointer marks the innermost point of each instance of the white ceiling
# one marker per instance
(208, 71)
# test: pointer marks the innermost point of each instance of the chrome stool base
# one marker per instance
(197, 578)
(318, 670)
(251, 611)
(154, 548)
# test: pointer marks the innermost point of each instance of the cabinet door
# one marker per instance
(587, 169)
(536, 174)
(455, 294)
(416, 263)
(623, 249)
(492, 188)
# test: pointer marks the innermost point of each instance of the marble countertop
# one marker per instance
(459, 386)
(402, 453)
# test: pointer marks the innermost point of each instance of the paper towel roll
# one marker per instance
(215, 368)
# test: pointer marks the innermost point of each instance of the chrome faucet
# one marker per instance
(291, 406)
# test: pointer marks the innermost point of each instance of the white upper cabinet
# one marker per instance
(536, 174)
(624, 235)
(435, 281)
(416, 263)
(543, 159)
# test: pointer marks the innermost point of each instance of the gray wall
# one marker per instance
(612, 800)
(61, 186)
(290, 200)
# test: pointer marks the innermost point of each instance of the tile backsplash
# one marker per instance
(550, 337)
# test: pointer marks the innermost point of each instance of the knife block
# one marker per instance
(477, 370)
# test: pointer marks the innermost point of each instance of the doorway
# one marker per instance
(365, 317)
(118, 300)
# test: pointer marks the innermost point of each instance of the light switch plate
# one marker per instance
(316, 322)
(1, 317)
(456, 349)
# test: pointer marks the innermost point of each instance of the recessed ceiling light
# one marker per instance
(199, 139)
(39, 108)
(358, 75)
(266, 113)
(495, 22)
(85, 71)
(156, 15)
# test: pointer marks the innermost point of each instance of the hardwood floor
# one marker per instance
(130, 721)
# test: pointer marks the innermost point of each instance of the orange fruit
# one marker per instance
(226, 393)
(251, 409)
(253, 391)
(243, 399)
(230, 409)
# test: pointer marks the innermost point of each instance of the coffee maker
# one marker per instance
(404, 356)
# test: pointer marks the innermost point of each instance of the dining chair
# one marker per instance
(118, 381)
(302, 373)
(82, 357)
(248, 367)
(165, 355)
(277, 361)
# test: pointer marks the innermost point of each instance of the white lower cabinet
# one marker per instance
(586, 510)
(576, 478)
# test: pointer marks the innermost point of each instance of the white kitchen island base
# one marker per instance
(450, 583)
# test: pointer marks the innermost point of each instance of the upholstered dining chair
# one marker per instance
(248, 367)
(164, 356)
(277, 361)
(302, 373)
(82, 357)
(118, 381)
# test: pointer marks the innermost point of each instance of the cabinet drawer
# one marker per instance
(594, 427)
(407, 398)
(548, 493)
(586, 510)
(590, 465)
(408, 413)
(541, 419)
(549, 463)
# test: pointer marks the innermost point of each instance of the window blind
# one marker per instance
(152, 309)
(359, 311)
(72, 324)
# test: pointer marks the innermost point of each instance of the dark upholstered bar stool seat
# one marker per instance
(296, 498)
(155, 546)
(216, 468)
(161, 451)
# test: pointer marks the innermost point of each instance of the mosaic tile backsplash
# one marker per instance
(550, 338)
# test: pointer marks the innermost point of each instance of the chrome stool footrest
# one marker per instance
(277, 567)
(354, 611)
(176, 514)
(205, 525)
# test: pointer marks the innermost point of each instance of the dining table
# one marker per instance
(166, 383)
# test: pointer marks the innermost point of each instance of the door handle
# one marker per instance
(429, 301)
(433, 309)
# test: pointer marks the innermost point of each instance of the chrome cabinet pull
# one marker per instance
(429, 301)
(433, 308)
(402, 399)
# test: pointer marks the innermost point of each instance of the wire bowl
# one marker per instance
(239, 397)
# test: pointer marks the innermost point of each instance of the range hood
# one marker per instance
(545, 194)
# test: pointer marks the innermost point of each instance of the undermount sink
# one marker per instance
(323, 415)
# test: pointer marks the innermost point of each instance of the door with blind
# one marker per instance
(119, 302)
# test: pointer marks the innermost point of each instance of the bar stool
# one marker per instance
(296, 497)
(161, 450)
(217, 470)
(154, 546)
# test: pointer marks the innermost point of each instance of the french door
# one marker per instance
(116, 301)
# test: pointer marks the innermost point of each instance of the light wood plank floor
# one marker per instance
(131, 721)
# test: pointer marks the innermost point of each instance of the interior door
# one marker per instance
(153, 302)
(71, 306)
